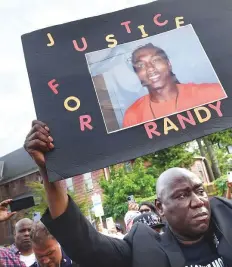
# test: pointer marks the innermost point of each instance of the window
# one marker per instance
(88, 181)
(69, 183)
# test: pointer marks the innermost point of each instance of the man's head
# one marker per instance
(184, 203)
(22, 235)
(47, 250)
(152, 66)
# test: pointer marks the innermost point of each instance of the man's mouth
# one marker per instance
(201, 216)
(153, 77)
(26, 240)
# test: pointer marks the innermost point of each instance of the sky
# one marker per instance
(19, 17)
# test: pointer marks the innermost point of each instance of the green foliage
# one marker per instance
(41, 202)
(146, 199)
(224, 160)
(121, 184)
(221, 185)
(177, 156)
(223, 137)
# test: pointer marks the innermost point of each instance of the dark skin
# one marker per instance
(22, 236)
(154, 72)
(184, 203)
(37, 143)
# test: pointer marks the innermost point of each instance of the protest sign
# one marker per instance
(121, 85)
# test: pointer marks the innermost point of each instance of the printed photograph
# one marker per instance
(152, 78)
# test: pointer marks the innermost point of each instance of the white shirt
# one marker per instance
(28, 260)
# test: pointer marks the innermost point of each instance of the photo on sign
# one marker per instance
(152, 78)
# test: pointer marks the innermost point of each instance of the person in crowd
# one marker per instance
(166, 95)
(229, 188)
(130, 215)
(119, 229)
(198, 233)
(47, 250)
(102, 229)
(152, 220)
(22, 247)
(8, 258)
(147, 207)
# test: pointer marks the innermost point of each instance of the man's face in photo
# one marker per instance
(152, 68)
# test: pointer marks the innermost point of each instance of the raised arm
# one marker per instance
(79, 239)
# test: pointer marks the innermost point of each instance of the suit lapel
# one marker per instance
(172, 249)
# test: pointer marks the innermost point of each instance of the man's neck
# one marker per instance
(26, 252)
(187, 240)
(165, 93)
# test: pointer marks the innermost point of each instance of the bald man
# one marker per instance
(23, 246)
(199, 231)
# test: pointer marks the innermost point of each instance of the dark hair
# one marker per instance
(149, 204)
(159, 51)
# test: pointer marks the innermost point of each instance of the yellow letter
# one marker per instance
(144, 34)
(179, 22)
(171, 126)
(50, 39)
(114, 41)
(199, 116)
(73, 98)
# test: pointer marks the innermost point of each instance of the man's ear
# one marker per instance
(159, 207)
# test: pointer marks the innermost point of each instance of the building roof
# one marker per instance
(16, 165)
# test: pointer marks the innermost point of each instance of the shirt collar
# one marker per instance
(14, 249)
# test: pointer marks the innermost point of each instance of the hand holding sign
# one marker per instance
(38, 141)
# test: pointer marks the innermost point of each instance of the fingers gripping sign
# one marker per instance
(38, 141)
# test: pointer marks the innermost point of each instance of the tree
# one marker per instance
(177, 156)
(122, 184)
(41, 202)
(219, 158)
(213, 157)
(223, 137)
(207, 164)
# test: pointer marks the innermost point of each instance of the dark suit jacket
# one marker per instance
(142, 247)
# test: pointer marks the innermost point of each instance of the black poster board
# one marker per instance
(91, 80)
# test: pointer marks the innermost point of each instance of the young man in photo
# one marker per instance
(166, 95)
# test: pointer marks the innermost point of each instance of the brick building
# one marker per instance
(199, 168)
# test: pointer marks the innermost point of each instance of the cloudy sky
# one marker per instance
(19, 17)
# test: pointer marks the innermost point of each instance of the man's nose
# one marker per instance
(27, 233)
(45, 260)
(196, 201)
(151, 66)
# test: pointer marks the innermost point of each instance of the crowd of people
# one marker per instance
(183, 228)
(34, 246)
